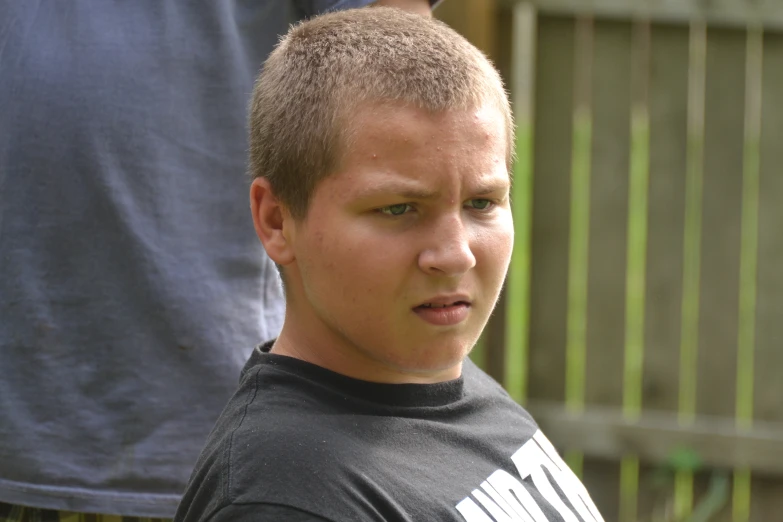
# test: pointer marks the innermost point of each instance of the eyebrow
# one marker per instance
(405, 190)
(490, 188)
(408, 191)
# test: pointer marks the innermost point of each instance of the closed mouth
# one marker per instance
(444, 305)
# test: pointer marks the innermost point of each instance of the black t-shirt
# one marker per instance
(299, 443)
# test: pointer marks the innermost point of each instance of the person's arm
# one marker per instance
(422, 7)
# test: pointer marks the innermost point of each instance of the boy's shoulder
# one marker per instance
(267, 442)
(294, 434)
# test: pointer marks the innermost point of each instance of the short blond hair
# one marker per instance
(324, 69)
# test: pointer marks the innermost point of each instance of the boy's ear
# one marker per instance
(272, 221)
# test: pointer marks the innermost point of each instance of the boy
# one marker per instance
(380, 151)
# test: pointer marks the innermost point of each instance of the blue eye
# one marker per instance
(480, 204)
(396, 210)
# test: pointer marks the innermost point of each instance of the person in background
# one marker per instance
(380, 147)
(132, 288)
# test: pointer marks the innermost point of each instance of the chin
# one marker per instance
(439, 358)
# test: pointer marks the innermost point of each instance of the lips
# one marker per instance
(444, 301)
(444, 311)
(443, 305)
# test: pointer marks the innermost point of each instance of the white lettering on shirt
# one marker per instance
(506, 498)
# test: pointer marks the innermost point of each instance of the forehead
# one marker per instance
(397, 123)
(443, 153)
(413, 141)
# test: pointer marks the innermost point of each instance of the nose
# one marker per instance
(447, 251)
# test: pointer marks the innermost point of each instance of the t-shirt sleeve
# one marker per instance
(263, 513)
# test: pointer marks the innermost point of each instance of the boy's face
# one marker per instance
(404, 249)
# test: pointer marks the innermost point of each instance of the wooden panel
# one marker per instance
(769, 322)
(721, 222)
(608, 213)
(668, 144)
(503, 43)
(611, 102)
(601, 477)
(517, 324)
(767, 495)
(473, 19)
(668, 98)
(579, 217)
(766, 502)
(721, 226)
(720, 247)
(493, 337)
(552, 164)
(655, 493)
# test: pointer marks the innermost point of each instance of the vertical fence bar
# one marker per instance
(689, 340)
(518, 286)
(579, 225)
(636, 258)
(746, 342)
(741, 495)
(637, 224)
(693, 212)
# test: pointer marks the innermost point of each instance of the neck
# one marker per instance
(331, 350)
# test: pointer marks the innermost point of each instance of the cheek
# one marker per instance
(355, 281)
(494, 246)
(348, 261)
(326, 255)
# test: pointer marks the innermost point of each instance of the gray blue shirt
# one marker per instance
(132, 286)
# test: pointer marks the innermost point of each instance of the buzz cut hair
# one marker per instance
(327, 68)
